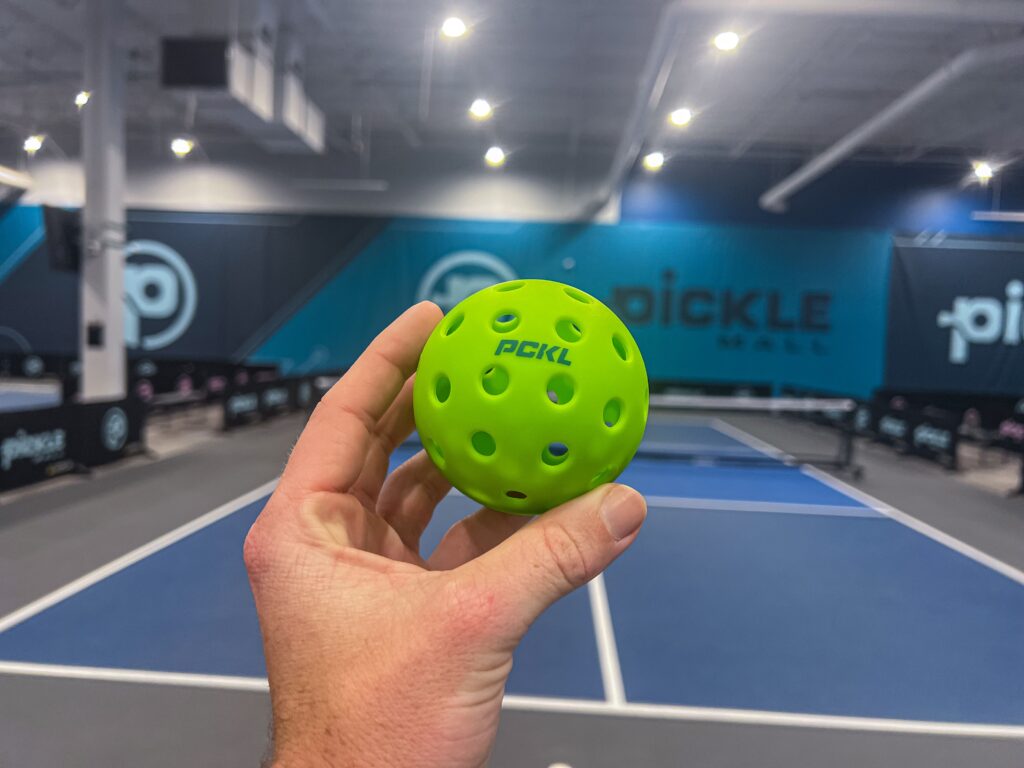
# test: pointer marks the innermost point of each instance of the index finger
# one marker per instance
(332, 449)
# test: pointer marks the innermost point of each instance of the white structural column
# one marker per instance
(102, 279)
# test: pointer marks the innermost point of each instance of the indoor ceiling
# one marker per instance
(563, 76)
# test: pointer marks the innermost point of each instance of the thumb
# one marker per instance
(560, 551)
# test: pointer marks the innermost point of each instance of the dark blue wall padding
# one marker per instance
(250, 272)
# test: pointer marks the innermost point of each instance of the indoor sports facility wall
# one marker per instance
(704, 278)
(705, 302)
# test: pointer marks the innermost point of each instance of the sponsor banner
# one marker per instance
(258, 400)
(39, 444)
(864, 423)
(705, 303)
(929, 433)
(105, 431)
(35, 445)
(935, 436)
(956, 318)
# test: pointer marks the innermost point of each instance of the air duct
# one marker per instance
(774, 199)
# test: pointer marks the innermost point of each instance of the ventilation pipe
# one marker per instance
(972, 59)
(663, 51)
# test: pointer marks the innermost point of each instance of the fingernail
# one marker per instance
(623, 510)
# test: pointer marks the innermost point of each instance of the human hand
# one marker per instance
(375, 655)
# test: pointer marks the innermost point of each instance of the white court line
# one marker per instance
(552, 705)
(761, 717)
(683, 448)
(144, 676)
(748, 439)
(901, 517)
(775, 507)
(607, 650)
(154, 546)
(965, 549)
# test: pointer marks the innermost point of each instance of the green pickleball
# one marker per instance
(530, 393)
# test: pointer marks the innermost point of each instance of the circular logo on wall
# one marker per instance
(459, 274)
(145, 368)
(114, 429)
(160, 295)
(33, 366)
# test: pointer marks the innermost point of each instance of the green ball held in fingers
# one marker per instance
(530, 393)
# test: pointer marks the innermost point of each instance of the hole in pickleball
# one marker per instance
(506, 287)
(601, 478)
(620, 347)
(435, 452)
(580, 296)
(483, 443)
(554, 454)
(442, 388)
(495, 380)
(505, 321)
(568, 330)
(515, 494)
(453, 323)
(560, 389)
(612, 412)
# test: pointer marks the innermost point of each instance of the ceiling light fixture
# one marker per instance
(181, 146)
(983, 171)
(495, 157)
(481, 109)
(33, 143)
(726, 41)
(653, 161)
(453, 27)
(82, 98)
(681, 117)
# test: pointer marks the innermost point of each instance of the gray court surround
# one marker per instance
(50, 721)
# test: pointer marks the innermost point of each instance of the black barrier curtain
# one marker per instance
(39, 444)
(955, 317)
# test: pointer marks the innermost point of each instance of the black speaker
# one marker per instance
(63, 238)
(194, 62)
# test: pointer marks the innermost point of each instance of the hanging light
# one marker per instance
(33, 143)
(182, 146)
(495, 157)
(453, 27)
(653, 161)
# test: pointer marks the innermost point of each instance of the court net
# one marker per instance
(710, 430)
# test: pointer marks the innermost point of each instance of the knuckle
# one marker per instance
(566, 554)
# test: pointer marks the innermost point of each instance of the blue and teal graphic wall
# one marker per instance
(706, 302)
